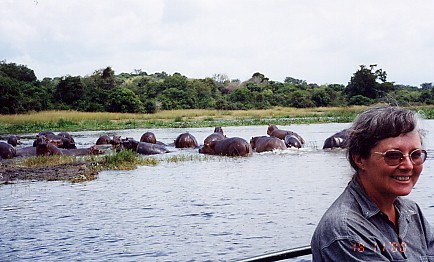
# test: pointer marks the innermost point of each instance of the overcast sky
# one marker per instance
(319, 41)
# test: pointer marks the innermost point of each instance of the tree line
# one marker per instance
(139, 92)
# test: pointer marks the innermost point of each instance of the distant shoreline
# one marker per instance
(68, 121)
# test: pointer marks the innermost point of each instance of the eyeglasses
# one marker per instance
(395, 157)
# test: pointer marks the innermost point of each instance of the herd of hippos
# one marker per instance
(47, 143)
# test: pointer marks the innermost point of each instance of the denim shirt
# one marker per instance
(354, 229)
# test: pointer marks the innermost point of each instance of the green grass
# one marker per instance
(126, 160)
(43, 161)
(80, 121)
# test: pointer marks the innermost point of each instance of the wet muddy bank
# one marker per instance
(74, 172)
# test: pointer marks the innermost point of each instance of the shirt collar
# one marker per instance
(369, 209)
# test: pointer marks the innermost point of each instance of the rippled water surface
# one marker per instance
(216, 208)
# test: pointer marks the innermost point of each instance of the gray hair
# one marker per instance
(376, 124)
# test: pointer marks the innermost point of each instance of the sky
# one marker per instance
(319, 41)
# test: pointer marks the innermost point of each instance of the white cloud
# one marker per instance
(318, 41)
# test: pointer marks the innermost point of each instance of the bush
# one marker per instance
(150, 106)
(360, 100)
(124, 159)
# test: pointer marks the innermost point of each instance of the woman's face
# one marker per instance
(381, 180)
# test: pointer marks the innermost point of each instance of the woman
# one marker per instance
(370, 221)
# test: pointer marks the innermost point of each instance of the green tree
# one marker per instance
(364, 83)
(10, 96)
(258, 78)
(103, 79)
(108, 78)
(94, 98)
(426, 97)
(37, 97)
(204, 90)
(150, 106)
(295, 81)
(282, 96)
(241, 98)
(177, 81)
(360, 100)
(70, 91)
(123, 100)
(152, 88)
(320, 97)
(174, 98)
(301, 99)
(335, 91)
(14, 80)
(261, 100)
(223, 104)
(177, 93)
(18, 72)
(404, 97)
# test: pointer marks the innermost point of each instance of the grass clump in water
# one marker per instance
(43, 161)
(127, 160)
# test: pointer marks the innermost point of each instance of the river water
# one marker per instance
(212, 209)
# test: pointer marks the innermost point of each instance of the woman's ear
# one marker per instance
(359, 161)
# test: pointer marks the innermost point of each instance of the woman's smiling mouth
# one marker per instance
(401, 178)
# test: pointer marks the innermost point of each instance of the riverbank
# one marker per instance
(80, 121)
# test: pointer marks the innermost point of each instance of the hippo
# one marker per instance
(266, 143)
(234, 146)
(14, 140)
(148, 137)
(7, 151)
(93, 150)
(67, 141)
(45, 148)
(38, 140)
(186, 140)
(218, 129)
(292, 141)
(273, 130)
(61, 140)
(67, 136)
(26, 151)
(143, 147)
(116, 142)
(103, 140)
(46, 132)
(217, 135)
(337, 140)
(57, 140)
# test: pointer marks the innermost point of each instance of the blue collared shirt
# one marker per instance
(354, 229)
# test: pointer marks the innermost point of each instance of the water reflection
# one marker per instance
(219, 209)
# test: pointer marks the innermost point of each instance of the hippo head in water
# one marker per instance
(337, 140)
(7, 151)
(148, 137)
(292, 141)
(186, 140)
(14, 140)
